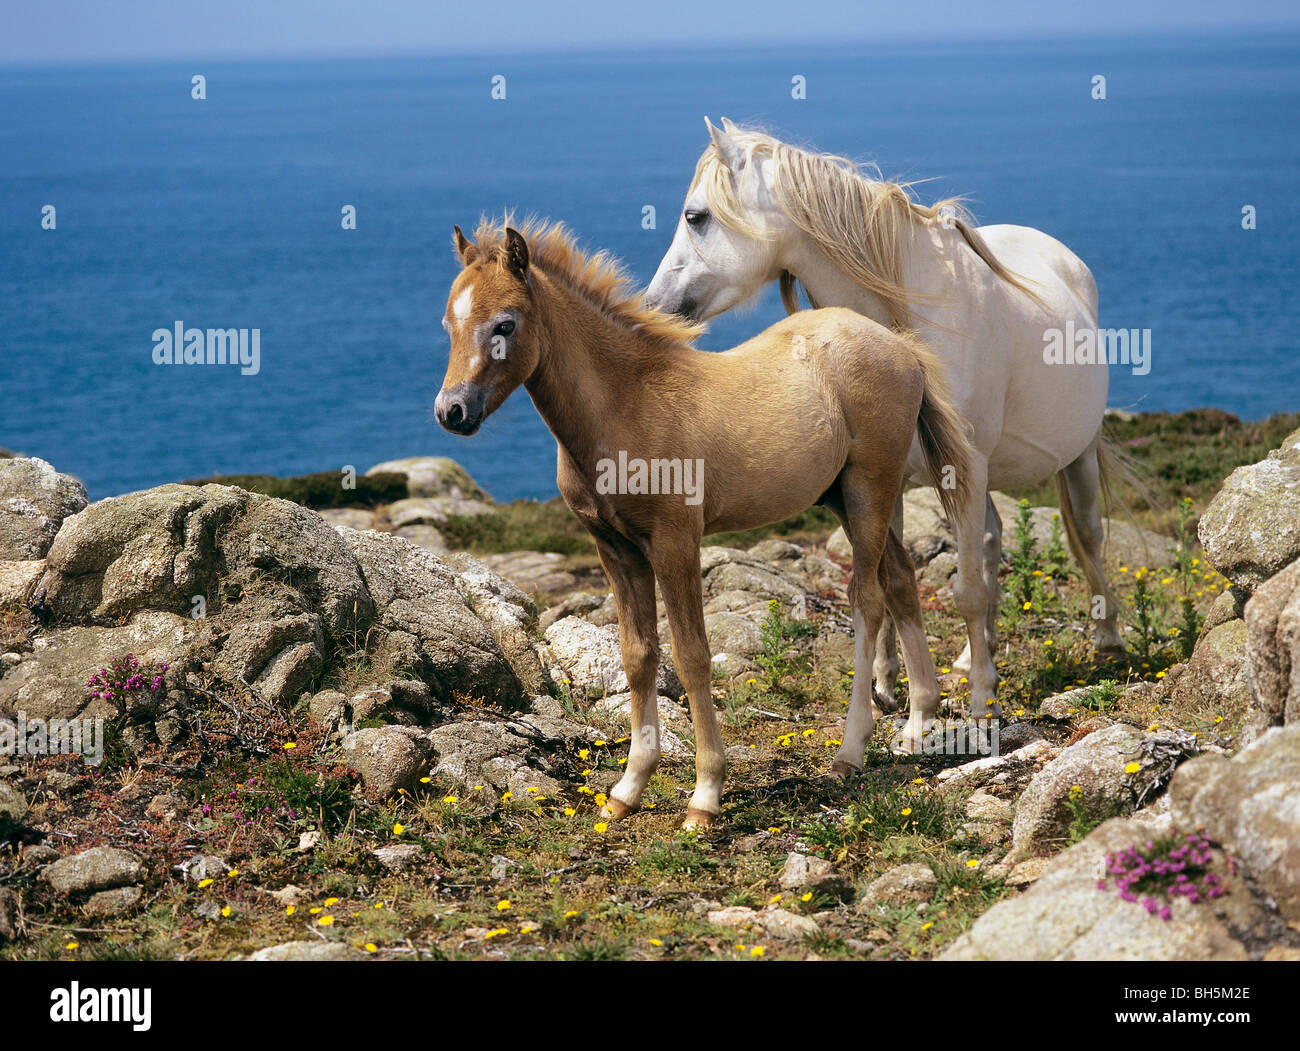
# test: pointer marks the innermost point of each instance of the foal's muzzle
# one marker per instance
(460, 409)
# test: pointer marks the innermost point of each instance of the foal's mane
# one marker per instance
(857, 220)
(598, 280)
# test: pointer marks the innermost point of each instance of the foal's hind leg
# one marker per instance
(634, 598)
(898, 577)
(1079, 485)
(867, 517)
(884, 671)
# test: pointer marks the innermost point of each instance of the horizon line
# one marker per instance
(619, 47)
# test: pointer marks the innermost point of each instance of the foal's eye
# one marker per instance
(696, 218)
(503, 328)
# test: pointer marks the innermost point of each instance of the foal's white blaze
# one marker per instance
(464, 303)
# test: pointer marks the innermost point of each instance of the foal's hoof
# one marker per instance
(616, 810)
(698, 819)
(887, 704)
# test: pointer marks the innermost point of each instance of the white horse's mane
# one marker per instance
(855, 216)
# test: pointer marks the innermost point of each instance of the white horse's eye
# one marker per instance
(696, 218)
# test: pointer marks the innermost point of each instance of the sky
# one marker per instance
(95, 30)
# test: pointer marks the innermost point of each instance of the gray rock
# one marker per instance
(51, 683)
(1273, 652)
(1094, 770)
(837, 544)
(352, 517)
(775, 922)
(1251, 530)
(328, 708)
(434, 476)
(1249, 803)
(802, 872)
(264, 558)
(1216, 673)
(733, 634)
(18, 580)
(1065, 916)
(940, 571)
(586, 658)
(306, 951)
(419, 595)
(574, 605)
(13, 808)
(982, 805)
(1065, 706)
(203, 866)
(900, 885)
(535, 572)
(425, 536)
(280, 658)
(34, 501)
(113, 902)
(509, 614)
(100, 868)
(399, 857)
(387, 758)
(11, 916)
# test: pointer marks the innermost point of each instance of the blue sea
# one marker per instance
(226, 213)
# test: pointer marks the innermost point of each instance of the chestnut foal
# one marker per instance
(821, 407)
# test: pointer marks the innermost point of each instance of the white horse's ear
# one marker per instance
(732, 155)
(730, 127)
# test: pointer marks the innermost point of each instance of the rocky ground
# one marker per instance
(385, 727)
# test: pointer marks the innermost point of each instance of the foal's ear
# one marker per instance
(467, 251)
(516, 253)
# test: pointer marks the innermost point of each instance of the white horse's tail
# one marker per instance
(944, 434)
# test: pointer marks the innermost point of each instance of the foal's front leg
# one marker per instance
(634, 598)
(678, 570)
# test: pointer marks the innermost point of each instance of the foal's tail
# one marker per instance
(944, 434)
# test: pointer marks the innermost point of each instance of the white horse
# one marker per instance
(987, 301)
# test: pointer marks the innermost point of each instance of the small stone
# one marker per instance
(313, 951)
(167, 806)
(100, 868)
(398, 857)
(64, 781)
(13, 809)
(905, 883)
(290, 894)
(984, 806)
(10, 916)
(113, 902)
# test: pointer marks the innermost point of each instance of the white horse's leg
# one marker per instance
(885, 669)
(971, 592)
(991, 550)
(1081, 515)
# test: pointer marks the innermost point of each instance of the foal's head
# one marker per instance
(488, 315)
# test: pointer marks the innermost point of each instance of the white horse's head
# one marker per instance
(729, 238)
